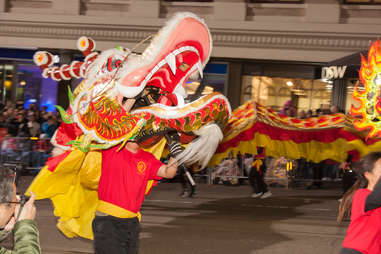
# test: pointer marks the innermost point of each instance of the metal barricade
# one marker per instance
(28, 153)
(227, 173)
(279, 171)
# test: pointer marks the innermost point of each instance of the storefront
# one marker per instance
(21, 80)
(343, 73)
(275, 84)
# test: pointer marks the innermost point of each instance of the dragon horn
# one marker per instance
(76, 69)
(86, 45)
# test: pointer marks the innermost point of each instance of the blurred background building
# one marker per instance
(303, 51)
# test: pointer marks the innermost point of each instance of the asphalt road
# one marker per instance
(221, 219)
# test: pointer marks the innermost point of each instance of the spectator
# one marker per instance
(349, 176)
(49, 127)
(43, 110)
(334, 109)
(302, 114)
(3, 123)
(16, 218)
(23, 130)
(33, 126)
(13, 125)
(309, 113)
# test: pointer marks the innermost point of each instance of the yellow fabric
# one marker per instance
(116, 211)
(45, 183)
(257, 163)
(313, 151)
(91, 170)
(73, 186)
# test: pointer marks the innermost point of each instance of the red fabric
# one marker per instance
(124, 177)
(297, 136)
(364, 232)
(52, 162)
(67, 132)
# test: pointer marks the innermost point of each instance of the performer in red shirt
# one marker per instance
(364, 231)
(121, 191)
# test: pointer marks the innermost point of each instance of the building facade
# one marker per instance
(272, 50)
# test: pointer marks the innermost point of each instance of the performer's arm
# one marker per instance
(168, 170)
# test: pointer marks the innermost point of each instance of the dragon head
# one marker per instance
(126, 96)
(179, 50)
(368, 93)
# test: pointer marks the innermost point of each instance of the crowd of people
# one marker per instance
(31, 122)
(26, 134)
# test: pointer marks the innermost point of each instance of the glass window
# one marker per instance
(350, 101)
(6, 81)
(303, 94)
(32, 88)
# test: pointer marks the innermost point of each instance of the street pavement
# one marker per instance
(221, 219)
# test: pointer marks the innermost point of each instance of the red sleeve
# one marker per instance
(155, 164)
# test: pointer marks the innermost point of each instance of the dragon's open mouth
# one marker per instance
(160, 73)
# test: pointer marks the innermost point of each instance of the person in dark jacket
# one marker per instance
(17, 218)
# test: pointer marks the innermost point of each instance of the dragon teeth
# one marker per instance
(171, 60)
(199, 67)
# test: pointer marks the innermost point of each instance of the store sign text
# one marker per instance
(333, 72)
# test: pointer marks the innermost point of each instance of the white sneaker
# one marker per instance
(266, 195)
(256, 195)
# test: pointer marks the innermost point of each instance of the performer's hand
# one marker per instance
(173, 143)
(172, 137)
(28, 211)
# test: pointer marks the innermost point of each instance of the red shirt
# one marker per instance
(124, 177)
(364, 232)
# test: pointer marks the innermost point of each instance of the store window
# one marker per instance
(32, 88)
(273, 92)
(350, 101)
(21, 82)
(7, 80)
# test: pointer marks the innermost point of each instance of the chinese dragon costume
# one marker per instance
(318, 138)
(127, 96)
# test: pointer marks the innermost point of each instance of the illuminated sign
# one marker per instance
(333, 72)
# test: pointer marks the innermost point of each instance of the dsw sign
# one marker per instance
(333, 72)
